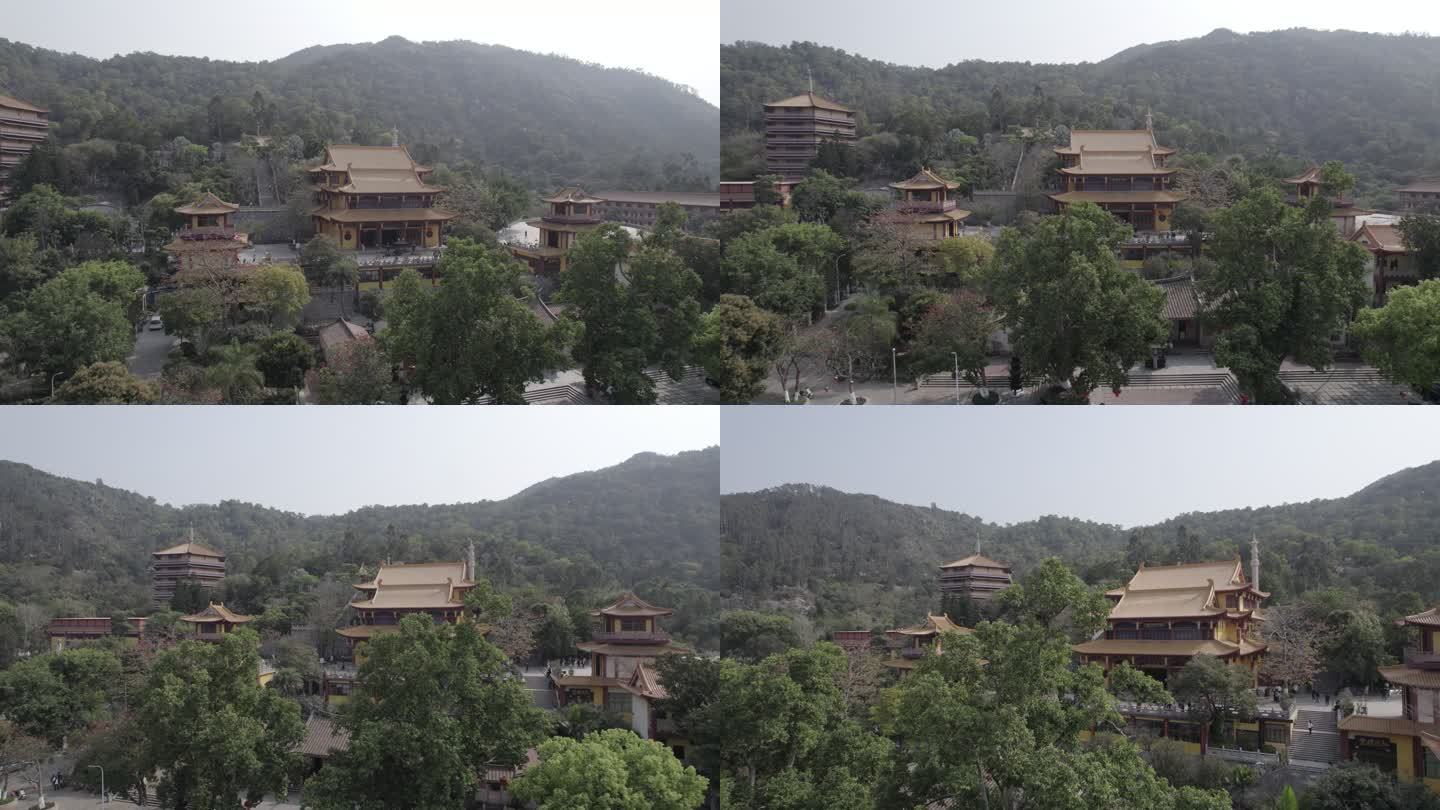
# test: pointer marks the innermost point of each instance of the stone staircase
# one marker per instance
(1322, 747)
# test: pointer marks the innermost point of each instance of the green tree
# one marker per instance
(1284, 282)
(189, 597)
(21, 265)
(359, 373)
(1354, 785)
(1212, 689)
(955, 333)
(233, 372)
(107, 383)
(193, 314)
(1402, 338)
(613, 769)
(1054, 598)
(749, 635)
(436, 704)
(755, 266)
(69, 322)
(317, 257)
(822, 197)
(736, 343)
(281, 291)
(860, 344)
(625, 326)
(1073, 313)
(963, 262)
(476, 337)
(56, 694)
(1421, 234)
(215, 736)
(283, 358)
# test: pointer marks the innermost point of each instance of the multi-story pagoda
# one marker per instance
(208, 242)
(976, 577)
(1168, 614)
(622, 674)
(375, 197)
(398, 590)
(925, 207)
(23, 126)
(570, 213)
(188, 560)
(909, 644)
(215, 622)
(1343, 211)
(1419, 195)
(1407, 746)
(795, 127)
(1123, 172)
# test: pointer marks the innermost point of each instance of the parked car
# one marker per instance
(155, 323)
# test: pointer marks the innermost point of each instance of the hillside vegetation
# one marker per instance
(1369, 100)
(546, 120)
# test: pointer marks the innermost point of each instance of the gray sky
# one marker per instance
(331, 460)
(1128, 465)
(1043, 30)
(675, 40)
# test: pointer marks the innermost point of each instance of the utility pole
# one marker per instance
(894, 379)
(104, 795)
(956, 355)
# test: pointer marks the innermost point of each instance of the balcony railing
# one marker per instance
(1422, 659)
(922, 206)
(632, 637)
(1263, 710)
(913, 653)
(209, 232)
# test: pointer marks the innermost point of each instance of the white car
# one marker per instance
(155, 323)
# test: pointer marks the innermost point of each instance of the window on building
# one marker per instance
(1432, 765)
(618, 702)
(1378, 751)
(632, 625)
(1277, 733)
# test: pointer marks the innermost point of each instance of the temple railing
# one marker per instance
(1422, 659)
(632, 636)
(924, 206)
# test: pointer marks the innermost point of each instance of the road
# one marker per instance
(152, 348)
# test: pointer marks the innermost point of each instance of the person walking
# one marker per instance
(1310, 726)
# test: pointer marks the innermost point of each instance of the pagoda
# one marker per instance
(925, 207)
(188, 560)
(909, 644)
(976, 577)
(1342, 212)
(215, 622)
(376, 197)
(1406, 746)
(1391, 264)
(622, 675)
(209, 241)
(398, 590)
(796, 127)
(1167, 614)
(1122, 171)
(570, 213)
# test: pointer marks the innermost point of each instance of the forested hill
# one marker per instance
(1370, 100)
(1382, 538)
(545, 119)
(651, 516)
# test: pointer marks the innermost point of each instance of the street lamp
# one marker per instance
(104, 796)
(52, 383)
(838, 257)
(894, 379)
(956, 355)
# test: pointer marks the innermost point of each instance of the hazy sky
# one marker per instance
(1130, 466)
(331, 460)
(1044, 30)
(676, 40)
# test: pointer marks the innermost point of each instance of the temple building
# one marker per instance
(795, 127)
(976, 577)
(22, 127)
(570, 213)
(1124, 172)
(189, 560)
(925, 207)
(1408, 746)
(1167, 614)
(1421, 195)
(740, 194)
(398, 590)
(909, 644)
(640, 209)
(1391, 264)
(1182, 310)
(1343, 213)
(375, 197)
(215, 622)
(209, 241)
(622, 676)
(71, 630)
